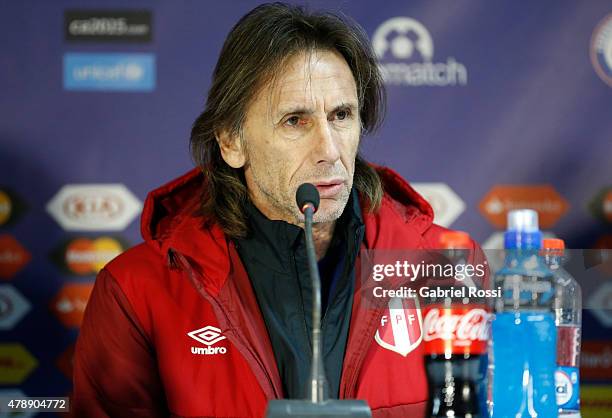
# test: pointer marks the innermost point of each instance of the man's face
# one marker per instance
(303, 127)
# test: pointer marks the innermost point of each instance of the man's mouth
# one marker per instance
(329, 188)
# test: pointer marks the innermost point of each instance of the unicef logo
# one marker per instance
(403, 35)
(601, 49)
(405, 49)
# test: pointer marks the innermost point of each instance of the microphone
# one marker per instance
(316, 405)
(308, 199)
(307, 195)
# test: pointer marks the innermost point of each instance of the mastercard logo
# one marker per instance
(86, 256)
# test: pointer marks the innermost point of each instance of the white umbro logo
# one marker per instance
(208, 336)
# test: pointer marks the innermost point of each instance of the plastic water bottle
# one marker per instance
(522, 351)
(568, 319)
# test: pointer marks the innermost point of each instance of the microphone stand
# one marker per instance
(318, 381)
(316, 404)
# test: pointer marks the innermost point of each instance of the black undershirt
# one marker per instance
(274, 255)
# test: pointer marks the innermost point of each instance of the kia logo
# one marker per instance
(93, 206)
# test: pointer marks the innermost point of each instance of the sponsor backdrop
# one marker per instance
(492, 106)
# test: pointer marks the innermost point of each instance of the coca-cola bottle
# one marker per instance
(455, 334)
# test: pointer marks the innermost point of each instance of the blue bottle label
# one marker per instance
(523, 355)
(567, 387)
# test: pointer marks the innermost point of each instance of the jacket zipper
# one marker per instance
(362, 348)
(233, 336)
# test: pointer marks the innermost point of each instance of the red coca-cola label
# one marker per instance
(456, 330)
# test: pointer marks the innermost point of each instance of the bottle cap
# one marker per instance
(524, 220)
(553, 243)
(553, 246)
(523, 232)
(455, 240)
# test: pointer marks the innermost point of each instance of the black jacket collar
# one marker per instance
(279, 238)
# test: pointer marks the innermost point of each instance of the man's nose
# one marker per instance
(326, 146)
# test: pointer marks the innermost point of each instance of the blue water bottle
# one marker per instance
(522, 351)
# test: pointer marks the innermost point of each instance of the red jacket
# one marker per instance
(135, 357)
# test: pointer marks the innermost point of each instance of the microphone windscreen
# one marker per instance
(307, 193)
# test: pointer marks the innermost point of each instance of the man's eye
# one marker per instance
(293, 121)
(342, 114)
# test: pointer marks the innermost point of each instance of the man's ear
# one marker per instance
(232, 151)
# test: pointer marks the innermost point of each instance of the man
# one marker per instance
(211, 315)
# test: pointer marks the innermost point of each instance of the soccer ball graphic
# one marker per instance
(402, 36)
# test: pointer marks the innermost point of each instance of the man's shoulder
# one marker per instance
(396, 214)
(401, 204)
(139, 263)
(398, 218)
